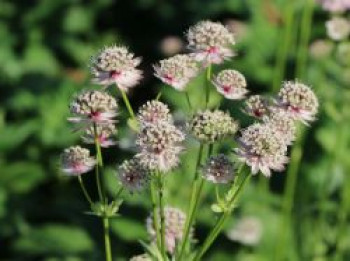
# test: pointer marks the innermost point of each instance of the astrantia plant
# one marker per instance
(261, 147)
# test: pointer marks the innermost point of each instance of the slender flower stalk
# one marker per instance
(83, 188)
(107, 239)
(127, 104)
(98, 166)
(196, 190)
(207, 85)
(282, 52)
(161, 210)
(225, 215)
(154, 211)
(297, 150)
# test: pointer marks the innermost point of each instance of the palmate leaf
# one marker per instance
(54, 239)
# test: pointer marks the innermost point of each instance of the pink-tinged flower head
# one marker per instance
(176, 71)
(262, 148)
(298, 100)
(219, 169)
(256, 106)
(282, 123)
(153, 112)
(105, 134)
(116, 65)
(93, 107)
(335, 6)
(211, 42)
(231, 84)
(160, 146)
(338, 28)
(132, 175)
(175, 220)
(76, 161)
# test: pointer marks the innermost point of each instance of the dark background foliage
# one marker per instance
(44, 52)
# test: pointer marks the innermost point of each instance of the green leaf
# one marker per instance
(128, 229)
(54, 239)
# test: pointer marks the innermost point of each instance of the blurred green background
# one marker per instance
(45, 47)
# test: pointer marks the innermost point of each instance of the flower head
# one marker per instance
(116, 65)
(218, 169)
(262, 148)
(231, 84)
(154, 111)
(256, 106)
(338, 28)
(104, 133)
(335, 6)
(247, 231)
(283, 123)
(76, 160)
(174, 225)
(177, 70)
(132, 175)
(93, 106)
(160, 146)
(211, 126)
(210, 41)
(298, 100)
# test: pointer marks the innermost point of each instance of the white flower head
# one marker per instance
(335, 6)
(231, 84)
(176, 71)
(256, 106)
(211, 126)
(174, 225)
(247, 231)
(154, 111)
(105, 134)
(160, 145)
(338, 28)
(76, 160)
(132, 175)
(211, 42)
(93, 107)
(218, 169)
(262, 148)
(116, 65)
(298, 100)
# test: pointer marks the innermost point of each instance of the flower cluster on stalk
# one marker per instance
(174, 224)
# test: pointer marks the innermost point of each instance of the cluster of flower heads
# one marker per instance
(174, 219)
(209, 43)
(263, 146)
(159, 140)
(94, 113)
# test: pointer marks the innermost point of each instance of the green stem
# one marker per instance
(207, 85)
(99, 165)
(86, 194)
(188, 101)
(107, 239)
(304, 38)
(162, 217)
(288, 197)
(127, 104)
(282, 52)
(154, 208)
(224, 216)
(196, 190)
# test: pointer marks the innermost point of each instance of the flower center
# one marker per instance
(114, 74)
(226, 88)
